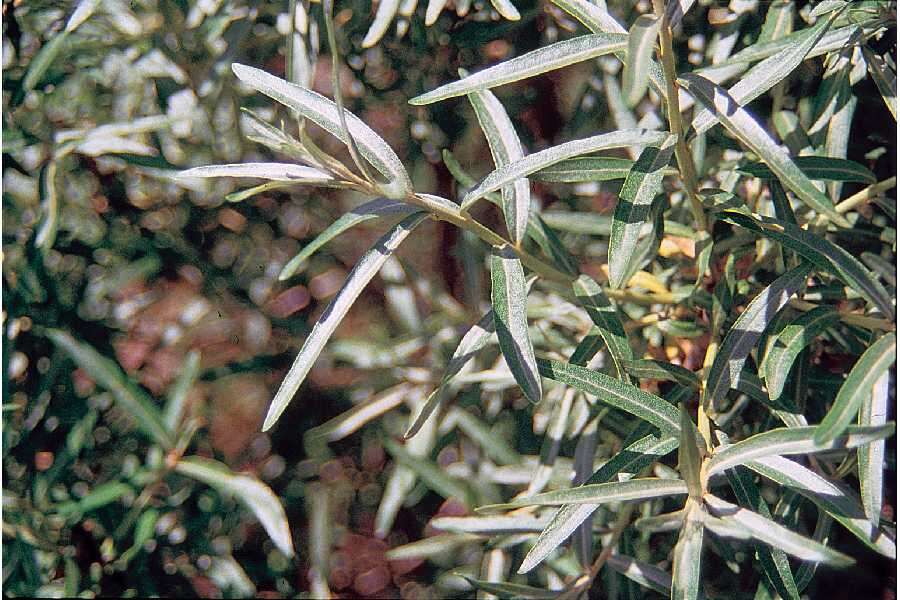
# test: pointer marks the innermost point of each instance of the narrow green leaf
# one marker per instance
(178, 394)
(792, 440)
(46, 233)
(870, 459)
(542, 60)
(658, 370)
(857, 387)
(508, 298)
(474, 340)
(828, 495)
(545, 158)
(628, 398)
(823, 168)
(772, 561)
(270, 171)
(256, 495)
(588, 168)
(241, 195)
(505, 149)
(625, 464)
(745, 127)
(433, 546)
(353, 420)
(99, 496)
(359, 277)
(645, 574)
(384, 15)
(770, 532)
(323, 112)
(643, 183)
(604, 315)
(402, 479)
(491, 524)
(687, 561)
(788, 342)
(665, 522)
(765, 75)
(41, 61)
(512, 590)
(885, 78)
(579, 222)
(431, 475)
(600, 493)
(834, 39)
(641, 43)
(743, 335)
(108, 375)
(365, 212)
(819, 251)
(690, 450)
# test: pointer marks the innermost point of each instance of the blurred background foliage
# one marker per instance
(176, 290)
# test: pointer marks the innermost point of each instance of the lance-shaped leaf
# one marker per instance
(108, 375)
(628, 398)
(508, 299)
(819, 251)
(688, 554)
(643, 183)
(600, 493)
(512, 590)
(433, 11)
(789, 342)
(491, 524)
(545, 158)
(772, 561)
(792, 440)
(641, 42)
(870, 459)
(359, 277)
(387, 10)
(46, 233)
(603, 314)
(352, 420)
(885, 78)
(625, 464)
(474, 340)
(662, 371)
(858, 385)
(365, 212)
(505, 149)
(823, 168)
(270, 171)
(831, 497)
(430, 474)
(743, 335)
(323, 112)
(744, 126)
(645, 574)
(690, 454)
(770, 532)
(256, 495)
(542, 60)
(588, 168)
(765, 75)
(834, 39)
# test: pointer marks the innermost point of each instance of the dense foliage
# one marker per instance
(592, 299)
